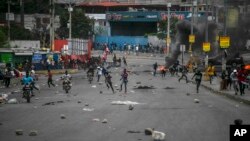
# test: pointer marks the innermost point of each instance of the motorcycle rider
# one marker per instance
(27, 80)
(91, 70)
(66, 77)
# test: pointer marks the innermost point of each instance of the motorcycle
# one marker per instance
(90, 77)
(27, 92)
(66, 85)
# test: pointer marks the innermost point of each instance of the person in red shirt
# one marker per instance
(50, 80)
(242, 79)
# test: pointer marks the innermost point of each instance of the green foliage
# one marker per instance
(3, 38)
(81, 25)
(163, 28)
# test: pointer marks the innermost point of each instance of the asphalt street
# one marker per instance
(167, 108)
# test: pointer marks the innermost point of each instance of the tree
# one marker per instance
(81, 25)
(3, 38)
(163, 28)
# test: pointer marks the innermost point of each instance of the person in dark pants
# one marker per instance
(198, 78)
(109, 82)
(184, 72)
(241, 79)
(7, 77)
(124, 79)
(50, 80)
(155, 66)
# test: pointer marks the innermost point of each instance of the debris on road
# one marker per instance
(132, 91)
(168, 88)
(33, 133)
(13, 101)
(19, 132)
(144, 87)
(93, 86)
(86, 104)
(79, 101)
(96, 119)
(196, 101)
(36, 98)
(16, 92)
(63, 116)
(4, 97)
(88, 109)
(100, 92)
(124, 103)
(115, 85)
(131, 107)
(138, 82)
(158, 136)
(49, 103)
(148, 131)
(132, 131)
(105, 121)
(188, 94)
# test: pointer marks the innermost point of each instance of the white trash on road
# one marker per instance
(124, 103)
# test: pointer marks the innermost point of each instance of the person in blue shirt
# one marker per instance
(27, 79)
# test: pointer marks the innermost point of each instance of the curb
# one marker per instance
(61, 71)
(236, 98)
(232, 97)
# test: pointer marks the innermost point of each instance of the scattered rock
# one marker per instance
(138, 82)
(86, 104)
(100, 92)
(12, 101)
(158, 136)
(237, 105)
(145, 87)
(79, 101)
(131, 131)
(19, 132)
(15, 92)
(93, 86)
(36, 98)
(63, 116)
(131, 107)
(188, 94)
(115, 85)
(96, 119)
(104, 121)
(168, 88)
(59, 101)
(196, 101)
(132, 91)
(35, 107)
(49, 103)
(33, 133)
(148, 131)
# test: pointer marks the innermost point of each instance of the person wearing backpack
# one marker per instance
(8, 76)
(124, 79)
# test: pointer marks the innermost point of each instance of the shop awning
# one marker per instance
(24, 53)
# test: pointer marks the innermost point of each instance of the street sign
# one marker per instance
(168, 40)
(10, 17)
(224, 42)
(182, 48)
(191, 38)
(206, 46)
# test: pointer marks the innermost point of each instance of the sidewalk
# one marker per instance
(229, 93)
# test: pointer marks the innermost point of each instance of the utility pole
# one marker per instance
(206, 35)
(52, 18)
(22, 12)
(223, 61)
(168, 32)
(8, 17)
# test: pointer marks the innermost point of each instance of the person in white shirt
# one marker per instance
(99, 73)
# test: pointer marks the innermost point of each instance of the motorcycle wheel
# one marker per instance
(28, 97)
(67, 91)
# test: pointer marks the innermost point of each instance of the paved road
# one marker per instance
(167, 110)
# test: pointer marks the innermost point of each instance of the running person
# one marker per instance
(198, 78)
